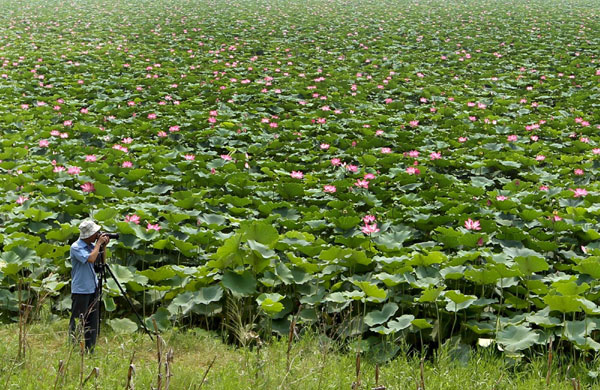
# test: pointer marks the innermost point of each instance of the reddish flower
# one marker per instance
(88, 187)
(472, 225)
(153, 227)
(74, 170)
(133, 218)
(413, 171)
(579, 192)
(362, 183)
(367, 219)
(369, 229)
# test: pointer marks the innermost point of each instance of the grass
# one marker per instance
(315, 364)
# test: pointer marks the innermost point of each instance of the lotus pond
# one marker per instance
(416, 171)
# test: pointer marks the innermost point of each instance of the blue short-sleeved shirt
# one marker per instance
(84, 279)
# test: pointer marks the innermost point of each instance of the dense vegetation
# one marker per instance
(396, 170)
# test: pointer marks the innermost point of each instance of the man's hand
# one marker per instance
(103, 240)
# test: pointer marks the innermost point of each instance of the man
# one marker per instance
(84, 284)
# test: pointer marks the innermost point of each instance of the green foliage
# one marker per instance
(408, 178)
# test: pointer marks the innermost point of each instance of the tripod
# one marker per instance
(103, 269)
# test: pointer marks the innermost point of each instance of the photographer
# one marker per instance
(84, 284)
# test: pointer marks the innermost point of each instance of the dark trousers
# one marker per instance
(85, 312)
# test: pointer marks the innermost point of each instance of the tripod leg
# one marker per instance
(112, 275)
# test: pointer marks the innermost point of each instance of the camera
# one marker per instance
(112, 236)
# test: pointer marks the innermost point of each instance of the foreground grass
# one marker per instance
(314, 365)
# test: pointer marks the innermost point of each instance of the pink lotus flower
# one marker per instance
(297, 174)
(67, 123)
(544, 188)
(540, 157)
(501, 197)
(88, 187)
(413, 171)
(58, 168)
(21, 199)
(336, 161)
(369, 229)
(555, 218)
(413, 153)
(44, 143)
(329, 188)
(352, 168)
(435, 156)
(369, 176)
(162, 134)
(74, 170)
(90, 158)
(414, 123)
(579, 192)
(386, 150)
(153, 227)
(189, 157)
(596, 150)
(127, 164)
(362, 183)
(462, 139)
(324, 146)
(127, 140)
(133, 218)
(367, 219)
(152, 116)
(578, 172)
(512, 138)
(472, 225)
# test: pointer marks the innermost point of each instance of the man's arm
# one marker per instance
(96, 251)
(82, 255)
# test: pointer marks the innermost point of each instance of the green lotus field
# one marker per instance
(376, 170)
